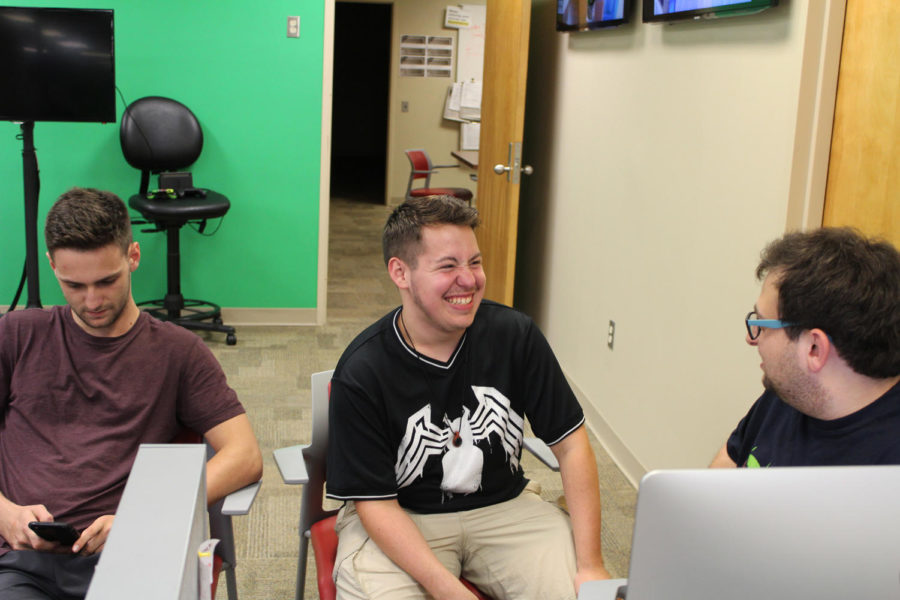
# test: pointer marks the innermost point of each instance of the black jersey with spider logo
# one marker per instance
(444, 436)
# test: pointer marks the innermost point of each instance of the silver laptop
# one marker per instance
(817, 533)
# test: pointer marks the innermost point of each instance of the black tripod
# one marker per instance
(32, 191)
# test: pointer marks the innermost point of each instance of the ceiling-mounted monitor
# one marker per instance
(681, 10)
(57, 64)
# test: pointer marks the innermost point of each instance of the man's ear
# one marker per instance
(134, 256)
(399, 272)
(819, 349)
(50, 258)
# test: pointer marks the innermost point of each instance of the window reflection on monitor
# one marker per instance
(582, 15)
(677, 10)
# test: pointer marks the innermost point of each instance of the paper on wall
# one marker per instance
(456, 17)
(470, 101)
(451, 102)
(469, 134)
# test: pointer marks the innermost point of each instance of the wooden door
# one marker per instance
(863, 187)
(502, 122)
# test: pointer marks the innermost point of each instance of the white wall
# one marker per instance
(665, 159)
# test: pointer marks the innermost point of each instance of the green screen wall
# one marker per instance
(258, 96)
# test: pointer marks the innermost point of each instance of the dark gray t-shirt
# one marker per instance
(774, 434)
(75, 408)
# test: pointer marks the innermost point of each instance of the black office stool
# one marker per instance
(161, 135)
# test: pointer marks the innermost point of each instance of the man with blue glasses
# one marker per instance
(827, 327)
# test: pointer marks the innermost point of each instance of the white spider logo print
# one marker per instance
(462, 461)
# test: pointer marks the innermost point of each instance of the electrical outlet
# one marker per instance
(611, 334)
(293, 27)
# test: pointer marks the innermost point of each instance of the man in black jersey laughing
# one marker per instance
(427, 415)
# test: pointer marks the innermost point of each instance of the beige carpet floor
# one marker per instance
(270, 368)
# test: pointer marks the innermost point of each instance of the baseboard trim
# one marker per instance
(269, 316)
(248, 317)
(289, 317)
(630, 466)
(4, 308)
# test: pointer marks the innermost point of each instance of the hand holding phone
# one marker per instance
(55, 531)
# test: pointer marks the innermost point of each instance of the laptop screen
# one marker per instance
(777, 533)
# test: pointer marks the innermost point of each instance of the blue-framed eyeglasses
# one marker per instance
(755, 325)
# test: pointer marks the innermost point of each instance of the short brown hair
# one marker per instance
(87, 219)
(846, 285)
(402, 235)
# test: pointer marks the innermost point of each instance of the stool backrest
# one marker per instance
(159, 134)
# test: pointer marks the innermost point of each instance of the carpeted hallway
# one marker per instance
(270, 368)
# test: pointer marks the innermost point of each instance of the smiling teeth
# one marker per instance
(466, 300)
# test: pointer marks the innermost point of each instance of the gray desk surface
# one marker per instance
(151, 552)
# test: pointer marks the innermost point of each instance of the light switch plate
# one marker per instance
(293, 27)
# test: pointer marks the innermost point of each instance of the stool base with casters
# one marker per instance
(190, 314)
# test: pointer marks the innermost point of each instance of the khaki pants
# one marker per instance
(521, 548)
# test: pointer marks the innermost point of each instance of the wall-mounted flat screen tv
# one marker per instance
(57, 64)
(582, 15)
(680, 10)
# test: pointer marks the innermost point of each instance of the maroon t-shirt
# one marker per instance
(75, 407)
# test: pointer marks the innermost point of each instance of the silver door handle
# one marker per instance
(500, 169)
(514, 170)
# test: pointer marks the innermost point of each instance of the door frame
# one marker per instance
(815, 114)
(325, 150)
(325, 163)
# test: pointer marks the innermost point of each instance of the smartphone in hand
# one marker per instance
(55, 531)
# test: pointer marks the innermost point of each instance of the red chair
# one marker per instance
(421, 168)
(305, 464)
